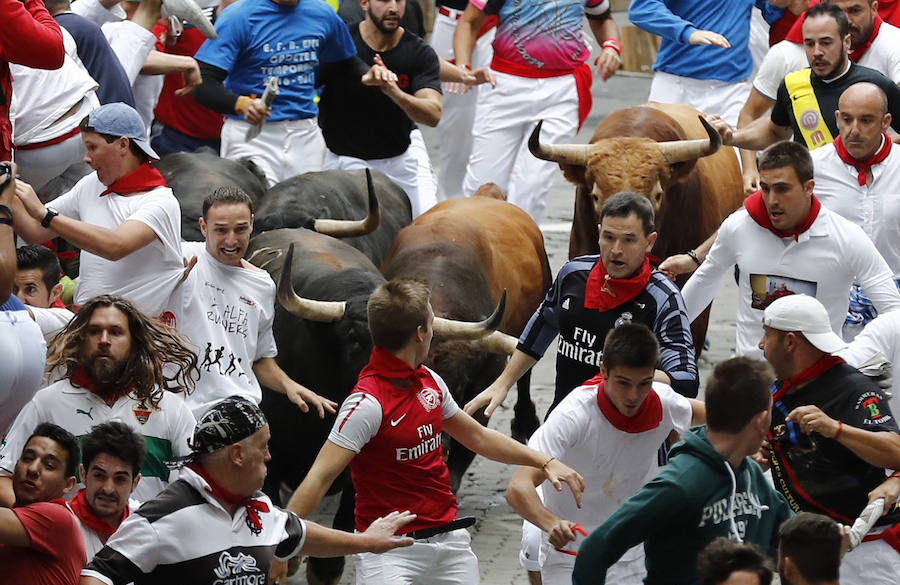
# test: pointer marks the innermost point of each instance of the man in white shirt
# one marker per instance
(124, 218)
(628, 413)
(784, 241)
(37, 285)
(858, 177)
(226, 307)
(111, 459)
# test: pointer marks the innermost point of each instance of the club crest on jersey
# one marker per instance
(625, 317)
(429, 398)
(141, 413)
(168, 318)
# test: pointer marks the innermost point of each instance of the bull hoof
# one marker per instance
(524, 423)
(324, 571)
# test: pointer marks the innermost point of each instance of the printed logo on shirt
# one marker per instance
(238, 570)
(429, 398)
(397, 422)
(142, 414)
(809, 119)
(767, 288)
(584, 346)
(168, 318)
(428, 442)
(625, 317)
(225, 362)
(87, 412)
(870, 402)
(232, 318)
(249, 302)
(565, 303)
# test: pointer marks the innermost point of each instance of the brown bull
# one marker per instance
(470, 251)
(665, 152)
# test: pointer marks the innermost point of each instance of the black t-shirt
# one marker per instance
(817, 474)
(828, 94)
(99, 59)
(361, 121)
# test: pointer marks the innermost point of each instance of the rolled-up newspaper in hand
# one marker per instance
(865, 522)
(268, 97)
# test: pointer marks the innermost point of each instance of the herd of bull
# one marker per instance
(329, 238)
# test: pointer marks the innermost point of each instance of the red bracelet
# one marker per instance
(612, 44)
(839, 431)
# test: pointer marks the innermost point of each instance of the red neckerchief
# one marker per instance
(253, 507)
(58, 304)
(827, 362)
(80, 506)
(81, 379)
(863, 166)
(385, 364)
(857, 53)
(647, 418)
(140, 179)
(602, 292)
(757, 210)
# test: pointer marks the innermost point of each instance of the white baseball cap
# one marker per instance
(808, 316)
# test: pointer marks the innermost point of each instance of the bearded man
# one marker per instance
(112, 358)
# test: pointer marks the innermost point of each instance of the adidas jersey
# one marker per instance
(165, 430)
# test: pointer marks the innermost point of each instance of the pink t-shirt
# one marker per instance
(56, 554)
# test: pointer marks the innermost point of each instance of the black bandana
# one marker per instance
(227, 422)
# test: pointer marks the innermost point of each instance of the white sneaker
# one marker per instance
(189, 11)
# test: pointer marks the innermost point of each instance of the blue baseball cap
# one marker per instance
(118, 119)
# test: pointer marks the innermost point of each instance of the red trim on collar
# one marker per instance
(858, 53)
(647, 418)
(140, 179)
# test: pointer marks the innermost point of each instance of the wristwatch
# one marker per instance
(51, 213)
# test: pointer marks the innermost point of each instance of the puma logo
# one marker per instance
(87, 413)
(397, 422)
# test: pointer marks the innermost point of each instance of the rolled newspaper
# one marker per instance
(268, 97)
(865, 522)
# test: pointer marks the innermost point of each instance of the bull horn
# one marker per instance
(321, 311)
(570, 154)
(684, 150)
(497, 342)
(450, 329)
(347, 228)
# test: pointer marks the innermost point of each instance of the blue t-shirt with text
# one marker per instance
(259, 38)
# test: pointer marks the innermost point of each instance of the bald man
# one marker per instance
(858, 176)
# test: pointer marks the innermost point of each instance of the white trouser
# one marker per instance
(871, 563)
(504, 119)
(402, 169)
(557, 568)
(458, 114)
(530, 553)
(282, 150)
(24, 354)
(445, 559)
(707, 95)
(131, 43)
(425, 180)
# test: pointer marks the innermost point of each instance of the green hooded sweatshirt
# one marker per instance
(696, 498)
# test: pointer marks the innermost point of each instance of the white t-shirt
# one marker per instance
(874, 208)
(166, 431)
(882, 334)
(784, 57)
(615, 463)
(147, 276)
(92, 542)
(353, 432)
(824, 262)
(51, 320)
(227, 313)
